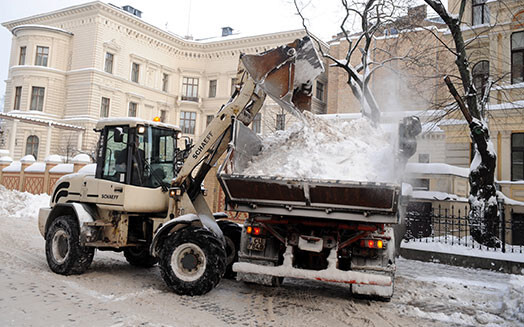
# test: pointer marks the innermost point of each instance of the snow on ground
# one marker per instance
(327, 149)
(114, 293)
(23, 205)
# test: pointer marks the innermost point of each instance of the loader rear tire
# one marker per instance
(231, 233)
(140, 257)
(65, 255)
(192, 261)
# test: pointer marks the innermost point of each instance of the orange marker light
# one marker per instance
(380, 244)
(157, 119)
(256, 230)
(249, 229)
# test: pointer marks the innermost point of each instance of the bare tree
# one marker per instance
(483, 215)
(374, 16)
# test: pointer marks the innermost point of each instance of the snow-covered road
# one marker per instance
(113, 293)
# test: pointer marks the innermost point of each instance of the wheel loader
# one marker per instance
(146, 199)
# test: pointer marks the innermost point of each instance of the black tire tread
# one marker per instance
(144, 259)
(232, 231)
(79, 258)
(215, 260)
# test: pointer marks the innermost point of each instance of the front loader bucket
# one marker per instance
(286, 73)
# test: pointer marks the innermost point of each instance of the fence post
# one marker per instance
(4, 162)
(25, 162)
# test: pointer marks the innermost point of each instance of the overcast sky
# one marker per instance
(199, 18)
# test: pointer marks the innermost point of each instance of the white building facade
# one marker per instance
(70, 67)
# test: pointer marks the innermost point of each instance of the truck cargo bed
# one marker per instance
(328, 199)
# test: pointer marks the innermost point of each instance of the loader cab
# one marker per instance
(136, 152)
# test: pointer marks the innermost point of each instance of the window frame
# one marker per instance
(165, 82)
(209, 119)
(234, 82)
(135, 72)
(34, 146)
(42, 58)
(213, 87)
(111, 62)
(190, 88)
(514, 149)
(22, 55)
(106, 107)
(163, 115)
(17, 98)
(132, 106)
(513, 52)
(484, 12)
(187, 124)
(321, 98)
(37, 105)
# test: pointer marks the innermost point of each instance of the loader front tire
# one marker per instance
(139, 256)
(65, 255)
(192, 261)
(232, 232)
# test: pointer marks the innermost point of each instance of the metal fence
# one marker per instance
(451, 226)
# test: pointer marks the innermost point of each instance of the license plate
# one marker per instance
(256, 244)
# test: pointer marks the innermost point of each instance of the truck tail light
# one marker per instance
(254, 230)
(372, 244)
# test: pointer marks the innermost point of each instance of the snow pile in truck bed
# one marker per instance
(17, 204)
(322, 149)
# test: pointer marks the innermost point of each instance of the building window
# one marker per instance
(190, 89)
(209, 119)
(187, 122)
(320, 91)
(21, 59)
(213, 88)
(517, 156)
(480, 12)
(108, 66)
(423, 158)
(165, 81)
(420, 184)
(517, 57)
(135, 72)
(234, 82)
(18, 96)
(480, 74)
(31, 146)
(132, 109)
(256, 124)
(281, 122)
(37, 98)
(104, 107)
(163, 116)
(42, 54)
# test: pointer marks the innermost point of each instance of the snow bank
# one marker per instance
(320, 149)
(443, 244)
(15, 204)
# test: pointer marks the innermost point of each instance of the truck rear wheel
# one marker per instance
(231, 233)
(63, 251)
(192, 261)
(139, 256)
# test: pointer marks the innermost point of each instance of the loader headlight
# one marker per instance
(175, 192)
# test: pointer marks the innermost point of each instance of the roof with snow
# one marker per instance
(436, 169)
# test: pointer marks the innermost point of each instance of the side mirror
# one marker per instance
(189, 142)
(119, 135)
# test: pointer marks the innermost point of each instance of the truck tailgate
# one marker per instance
(331, 199)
